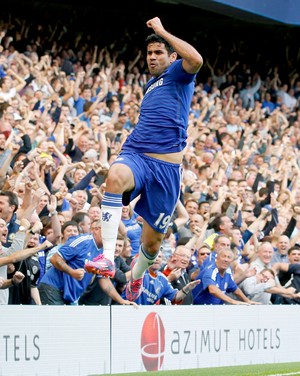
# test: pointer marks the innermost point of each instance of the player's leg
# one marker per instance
(120, 179)
(151, 242)
(156, 206)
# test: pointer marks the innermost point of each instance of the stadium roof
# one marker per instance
(259, 11)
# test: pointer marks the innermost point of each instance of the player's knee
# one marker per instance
(114, 180)
(118, 180)
(152, 247)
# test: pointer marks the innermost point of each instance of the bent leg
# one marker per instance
(120, 179)
(151, 241)
(150, 245)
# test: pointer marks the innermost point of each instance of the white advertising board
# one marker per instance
(48, 341)
(182, 337)
(83, 341)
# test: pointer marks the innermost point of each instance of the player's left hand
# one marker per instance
(155, 24)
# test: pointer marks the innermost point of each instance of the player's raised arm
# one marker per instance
(192, 60)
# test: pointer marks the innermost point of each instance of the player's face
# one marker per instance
(158, 58)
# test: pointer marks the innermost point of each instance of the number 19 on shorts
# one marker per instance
(162, 221)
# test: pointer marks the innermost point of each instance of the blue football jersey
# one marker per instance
(211, 276)
(164, 113)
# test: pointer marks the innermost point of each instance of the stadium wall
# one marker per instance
(82, 340)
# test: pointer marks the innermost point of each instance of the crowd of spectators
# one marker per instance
(66, 107)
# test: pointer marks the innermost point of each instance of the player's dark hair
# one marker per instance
(154, 38)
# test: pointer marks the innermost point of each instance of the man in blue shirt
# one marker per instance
(150, 162)
(220, 242)
(66, 281)
(216, 281)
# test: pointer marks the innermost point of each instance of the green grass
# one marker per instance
(258, 370)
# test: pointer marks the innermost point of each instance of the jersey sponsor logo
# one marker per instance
(106, 216)
(156, 84)
(153, 342)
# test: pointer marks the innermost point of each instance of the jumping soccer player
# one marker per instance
(150, 162)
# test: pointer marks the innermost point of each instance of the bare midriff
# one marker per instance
(171, 157)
